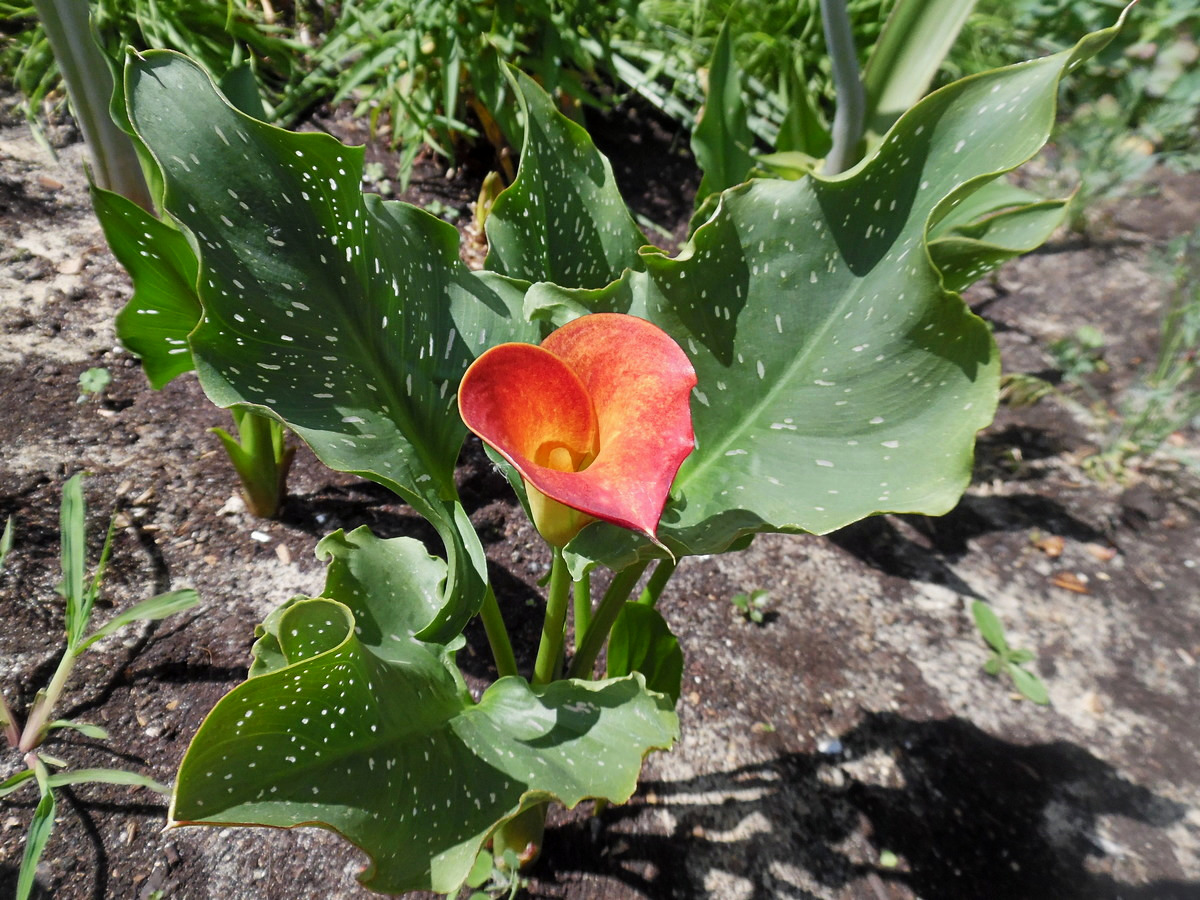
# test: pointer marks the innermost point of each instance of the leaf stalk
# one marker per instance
(551, 645)
(606, 614)
(497, 635)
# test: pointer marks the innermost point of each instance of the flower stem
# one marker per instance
(497, 635)
(850, 115)
(551, 647)
(583, 607)
(658, 580)
(610, 607)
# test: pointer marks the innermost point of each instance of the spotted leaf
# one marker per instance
(562, 220)
(359, 726)
(164, 308)
(837, 376)
(349, 318)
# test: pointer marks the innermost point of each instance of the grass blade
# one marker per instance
(14, 783)
(72, 519)
(6, 542)
(157, 607)
(106, 776)
(84, 728)
(35, 842)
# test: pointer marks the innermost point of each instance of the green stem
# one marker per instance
(583, 607)
(658, 580)
(850, 116)
(550, 647)
(610, 607)
(497, 635)
(43, 706)
(89, 84)
(8, 722)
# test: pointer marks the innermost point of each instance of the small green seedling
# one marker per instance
(1080, 354)
(80, 594)
(493, 878)
(93, 382)
(261, 456)
(753, 606)
(1006, 659)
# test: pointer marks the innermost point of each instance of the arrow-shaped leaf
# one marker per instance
(164, 307)
(349, 318)
(367, 730)
(837, 378)
(562, 219)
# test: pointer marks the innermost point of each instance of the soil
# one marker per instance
(849, 746)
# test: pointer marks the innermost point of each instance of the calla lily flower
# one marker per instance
(596, 420)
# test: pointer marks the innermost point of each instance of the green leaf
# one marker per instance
(1021, 656)
(94, 380)
(802, 130)
(397, 570)
(641, 641)
(837, 377)
(481, 871)
(6, 541)
(157, 607)
(105, 776)
(722, 140)
(348, 318)
(35, 842)
(261, 457)
(1029, 685)
(164, 307)
(371, 732)
(990, 628)
(14, 782)
(73, 555)
(915, 39)
(84, 728)
(994, 665)
(562, 220)
(996, 223)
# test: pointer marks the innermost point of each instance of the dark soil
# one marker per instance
(850, 746)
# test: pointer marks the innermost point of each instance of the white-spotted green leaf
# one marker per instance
(367, 730)
(164, 308)
(971, 252)
(403, 578)
(837, 377)
(562, 220)
(348, 318)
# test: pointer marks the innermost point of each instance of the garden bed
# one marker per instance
(848, 746)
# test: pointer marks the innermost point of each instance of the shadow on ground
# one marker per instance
(967, 815)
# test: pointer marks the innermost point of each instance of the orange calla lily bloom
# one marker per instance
(597, 420)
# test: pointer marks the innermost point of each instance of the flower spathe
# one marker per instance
(596, 420)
